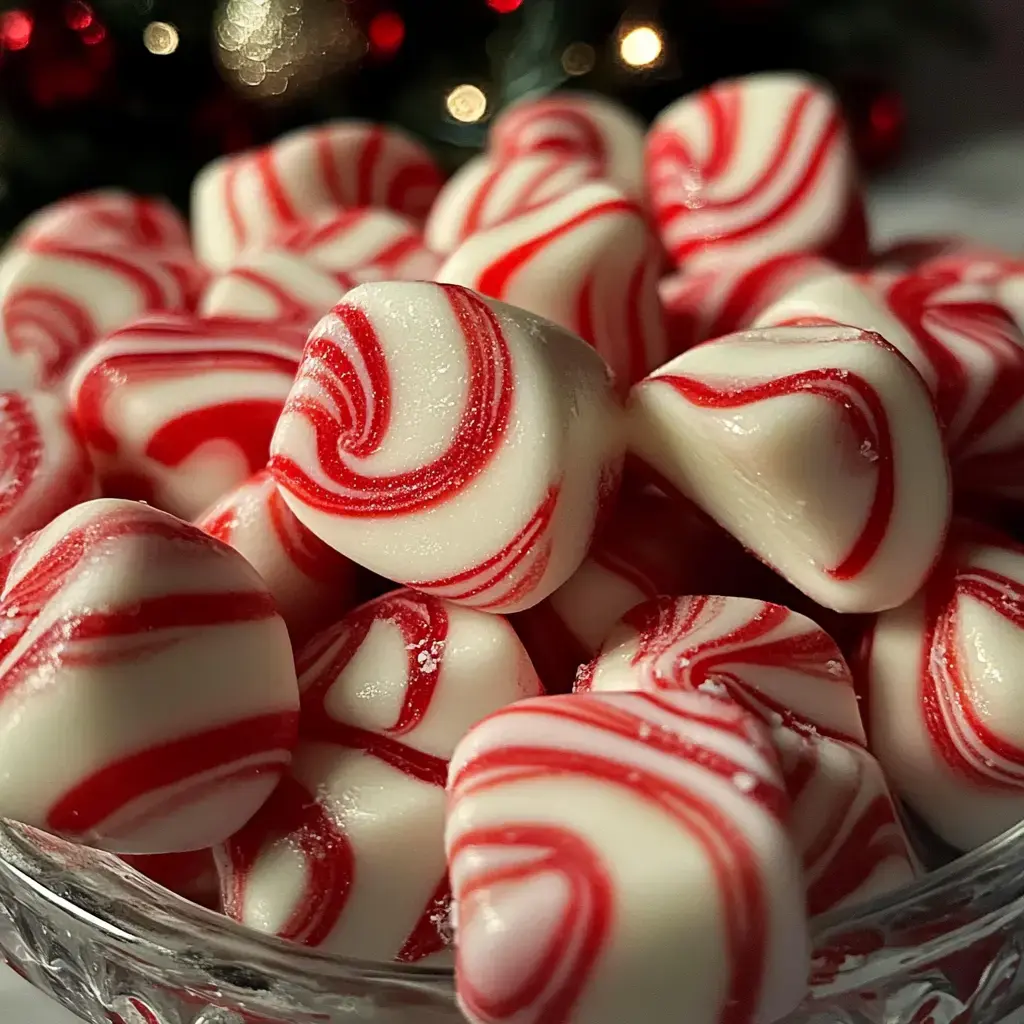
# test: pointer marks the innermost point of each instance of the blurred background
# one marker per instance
(141, 93)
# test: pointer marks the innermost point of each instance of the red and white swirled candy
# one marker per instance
(348, 855)
(962, 341)
(107, 218)
(370, 244)
(586, 261)
(486, 192)
(57, 298)
(152, 657)
(623, 857)
(705, 304)
(946, 694)
(753, 167)
(44, 467)
(239, 202)
(817, 447)
(192, 875)
(783, 668)
(275, 287)
(458, 446)
(311, 583)
(582, 125)
(177, 410)
(648, 547)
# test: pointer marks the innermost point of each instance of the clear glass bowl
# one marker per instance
(117, 949)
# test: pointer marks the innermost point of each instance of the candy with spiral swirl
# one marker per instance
(311, 583)
(348, 854)
(755, 166)
(817, 447)
(623, 856)
(178, 410)
(453, 444)
(106, 218)
(945, 692)
(783, 668)
(487, 191)
(57, 298)
(240, 201)
(152, 658)
(192, 874)
(275, 286)
(369, 244)
(587, 261)
(585, 126)
(44, 466)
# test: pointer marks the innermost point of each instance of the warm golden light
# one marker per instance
(160, 37)
(466, 103)
(578, 58)
(641, 46)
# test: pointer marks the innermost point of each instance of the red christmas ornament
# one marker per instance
(878, 122)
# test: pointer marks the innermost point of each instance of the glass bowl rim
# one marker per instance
(170, 923)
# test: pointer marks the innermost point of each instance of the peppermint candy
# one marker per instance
(755, 166)
(241, 201)
(177, 410)
(152, 657)
(642, 838)
(312, 585)
(816, 447)
(457, 446)
(586, 261)
(347, 855)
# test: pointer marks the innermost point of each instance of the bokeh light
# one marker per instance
(160, 37)
(15, 29)
(641, 46)
(504, 6)
(386, 32)
(578, 59)
(467, 103)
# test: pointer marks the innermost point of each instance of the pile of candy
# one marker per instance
(652, 465)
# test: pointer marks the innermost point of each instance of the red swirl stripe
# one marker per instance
(861, 408)
(550, 994)
(53, 326)
(21, 450)
(549, 126)
(355, 379)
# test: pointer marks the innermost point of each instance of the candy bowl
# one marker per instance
(116, 948)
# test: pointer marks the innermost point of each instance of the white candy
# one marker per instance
(178, 410)
(312, 585)
(152, 659)
(485, 192)
(241, 201)
(456, 445)
(275, 287)
(946, 694)
(587, 261)
(783, 668)
(44, 467)
(578, 124)
(348, 855)
(816, 447)
(623, 857)
(755, 166)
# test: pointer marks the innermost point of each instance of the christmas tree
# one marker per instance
(141, 93)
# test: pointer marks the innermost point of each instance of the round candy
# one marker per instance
(587, 261)
(241, 201)
(106, 218)
(621, 857)
(311, 583)
(275, 287)
(752, 167)
(57, 298)
(348, 854)
(152, 658)
(816, 447)
(783, 668)
(458, 446)
(177, 410)
(946, 694)
(370, 244)
(485, 192)
(44, 467)
(578, 124)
